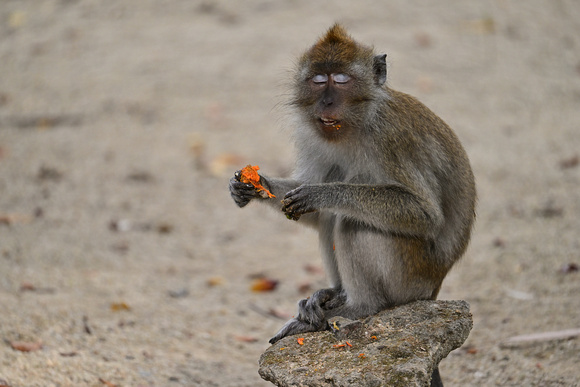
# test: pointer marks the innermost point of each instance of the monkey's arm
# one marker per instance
(279, 187)
(389, 207)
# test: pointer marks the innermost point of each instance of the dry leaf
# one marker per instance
(499, 242)
(305, 287)
(25, 346)
(425, 84)
(119, 306)
(197, 147)
(570, 162)
(483, 26)
(569, 268)
(86, 326)
(224, 161)
(423, 39)
(550, 210)
(140, 177)
(264, 285)
(27, 287)
(246, 339)
(313, 269)
(68, 354)
(107, 383)
(49, 173)
(164, 228)
(469, 349)
(9, 219)
(215, 281)
(278, 314)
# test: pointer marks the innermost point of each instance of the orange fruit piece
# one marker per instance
(250, 175)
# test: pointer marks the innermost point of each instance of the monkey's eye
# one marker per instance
(320, 78)
(340, 78)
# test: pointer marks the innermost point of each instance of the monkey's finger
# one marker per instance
(290, 214)
(240, 201)
(291, 204)
(245, 189)
(238, 175)
(236, 183)
(294, 209)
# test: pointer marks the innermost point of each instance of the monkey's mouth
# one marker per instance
(329, 123)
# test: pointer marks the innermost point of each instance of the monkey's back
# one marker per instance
(424, 140)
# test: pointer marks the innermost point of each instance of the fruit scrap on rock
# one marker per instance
(250, 175)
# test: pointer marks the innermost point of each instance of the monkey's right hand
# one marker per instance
(242, 193)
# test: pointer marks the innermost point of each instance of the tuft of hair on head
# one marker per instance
(336, 49)
(335, 35)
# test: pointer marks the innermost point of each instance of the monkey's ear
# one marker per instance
(380, 69)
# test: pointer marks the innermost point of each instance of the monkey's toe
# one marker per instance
(293, 327)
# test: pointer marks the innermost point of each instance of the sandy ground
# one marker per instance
(121, 252)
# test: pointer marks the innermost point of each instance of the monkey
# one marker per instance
(383, 179)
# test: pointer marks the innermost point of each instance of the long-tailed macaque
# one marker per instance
(384, 180)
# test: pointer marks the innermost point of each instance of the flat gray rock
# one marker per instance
(396, 347)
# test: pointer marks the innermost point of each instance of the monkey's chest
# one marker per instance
(349, 173)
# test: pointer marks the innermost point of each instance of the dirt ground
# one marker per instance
(124, 261)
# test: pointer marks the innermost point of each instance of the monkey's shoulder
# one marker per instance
(408, 113)
(414, 129)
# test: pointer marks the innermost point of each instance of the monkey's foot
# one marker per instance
(294, 327)
(314, 309)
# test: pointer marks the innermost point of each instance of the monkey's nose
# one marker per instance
(327, 101)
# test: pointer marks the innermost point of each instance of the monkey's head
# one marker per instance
(338, 82)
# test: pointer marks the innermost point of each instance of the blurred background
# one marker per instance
(123, 259)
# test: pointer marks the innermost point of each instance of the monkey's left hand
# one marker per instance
(243, 193)
(304, 199)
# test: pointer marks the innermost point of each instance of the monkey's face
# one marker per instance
(337, 81)
(331, 101)
(330, 91)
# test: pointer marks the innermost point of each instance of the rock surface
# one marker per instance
(397, 347)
